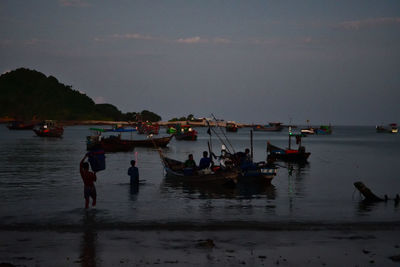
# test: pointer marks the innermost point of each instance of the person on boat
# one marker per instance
(190, 163)
(244, 159)
(133, 172)
(88, 178)
(205, 161)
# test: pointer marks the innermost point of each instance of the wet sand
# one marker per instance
(90, 247)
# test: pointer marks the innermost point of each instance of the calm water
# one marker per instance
(40, 182)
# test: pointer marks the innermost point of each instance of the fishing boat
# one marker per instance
(48, 128)
(231, 127)
(324, 130)
(185, 132)
(115, 143)
(259, 172)
(251, 171)
(148, 128)
(20, 125)
(288, 154)
(391, 128)
(271, 127)
(171, 128)
(308, 130)
(214, 176)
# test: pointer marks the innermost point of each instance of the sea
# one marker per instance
(41, 188)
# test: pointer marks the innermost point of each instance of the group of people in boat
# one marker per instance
(226, 161)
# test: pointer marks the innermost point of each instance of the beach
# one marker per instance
(91, 247)
(310, 215)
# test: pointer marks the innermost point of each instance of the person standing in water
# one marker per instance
(88, 178)
(133, 172)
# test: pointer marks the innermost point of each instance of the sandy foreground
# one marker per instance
(200, 248)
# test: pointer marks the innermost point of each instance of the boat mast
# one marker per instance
(251, 143)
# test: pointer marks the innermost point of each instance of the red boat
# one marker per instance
(186, 132)
(48, 129)
(148, 128)
(231, 127)
(288, 154)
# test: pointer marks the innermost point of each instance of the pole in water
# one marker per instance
(251, 143)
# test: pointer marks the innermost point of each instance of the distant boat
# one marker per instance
(288, 154)
(309, 130)
(391, 128)
(231, 126)
(185, 132)
(148, 128)
(48, 128)
(171, 128)
(271, 127)
(114, 130)
(117, 144)
(20, 125)
(324, 129)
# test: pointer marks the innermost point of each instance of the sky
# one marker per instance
(250, 61)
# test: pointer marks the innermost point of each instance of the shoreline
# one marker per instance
(91, 247)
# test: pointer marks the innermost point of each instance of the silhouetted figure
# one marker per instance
(88, 178)
(205, 161)
(133, 172)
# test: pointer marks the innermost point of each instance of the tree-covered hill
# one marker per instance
(28, 94)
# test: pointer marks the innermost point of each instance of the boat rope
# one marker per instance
(220, 139)
(223, 133)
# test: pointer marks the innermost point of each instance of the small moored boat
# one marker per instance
(391, 128)
(186, 132)
(288, 154)
(271, 127)
(48, 128)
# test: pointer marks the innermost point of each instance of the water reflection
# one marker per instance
(133, 191)
(88, 256)
(210, 191)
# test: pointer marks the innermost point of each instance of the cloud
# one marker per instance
(126, 36)
(368, 23)
(138, 36)
(192, 40)
(74, 3)
(135, 36)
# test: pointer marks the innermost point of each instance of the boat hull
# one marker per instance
(115, 144)
(276, 153)
(186, 136)
(49, 132)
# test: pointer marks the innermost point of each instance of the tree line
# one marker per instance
(28, 94)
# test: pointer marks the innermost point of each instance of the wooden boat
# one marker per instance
(289, 154)
(271, 127)
(324, 130)
(309, 130)
(114, 143)
(20, 125)
(259, 172)
(391, 128)
(185, 132)
(171, 128)
(231, 127)
(148, 128)
(48, 128)
(176, 169)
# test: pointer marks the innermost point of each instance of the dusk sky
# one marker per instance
(251, 61)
